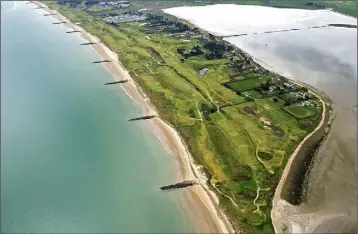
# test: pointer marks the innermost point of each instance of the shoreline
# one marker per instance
(206, 200)
(278, 204)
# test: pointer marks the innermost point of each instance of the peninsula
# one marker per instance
(236, 124)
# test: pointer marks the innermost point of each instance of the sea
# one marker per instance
(70, 160)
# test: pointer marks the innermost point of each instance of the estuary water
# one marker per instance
(70, 160)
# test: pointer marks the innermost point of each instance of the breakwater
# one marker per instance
(116, 82)
(183, 184)
(143, 117)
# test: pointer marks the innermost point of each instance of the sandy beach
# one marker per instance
(206, 202)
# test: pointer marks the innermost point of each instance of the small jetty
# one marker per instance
(116, 82)
(103, 61)
(49, 14)
(74, 31)
(183, 184)
(143, 117)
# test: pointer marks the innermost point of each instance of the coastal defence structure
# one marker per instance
(294, 29)
(143, 117)
(116, 82)
(74, 31)
(183, 184)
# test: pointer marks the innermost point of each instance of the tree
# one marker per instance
(180, 50)
(249, 99)
(275, 100)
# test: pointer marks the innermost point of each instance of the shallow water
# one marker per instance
(70, 161)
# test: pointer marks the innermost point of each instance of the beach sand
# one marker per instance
(208, 216)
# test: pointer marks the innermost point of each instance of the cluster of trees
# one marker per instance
(218, 47)
(196, 50)
(170, 26)
(217, 50)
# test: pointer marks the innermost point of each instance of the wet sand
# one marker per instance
(201, 204)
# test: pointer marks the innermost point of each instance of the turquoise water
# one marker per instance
(70, 161)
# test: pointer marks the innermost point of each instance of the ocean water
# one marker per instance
(70, 160)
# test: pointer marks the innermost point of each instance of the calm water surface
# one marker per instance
(70, 161)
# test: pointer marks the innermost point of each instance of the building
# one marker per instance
(61, 2)
(73, 5)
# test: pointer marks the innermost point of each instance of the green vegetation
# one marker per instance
(238, 120)
(299, 111)
(246, 84)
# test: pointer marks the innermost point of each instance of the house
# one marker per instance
(73, 5)
(61, 2)
(320, 6)
(272, 88)
(122, 2)
(264, 121)
(203, 71)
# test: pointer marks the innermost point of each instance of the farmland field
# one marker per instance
(246, 84)
(299, 111)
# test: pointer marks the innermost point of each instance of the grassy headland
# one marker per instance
(238, 120)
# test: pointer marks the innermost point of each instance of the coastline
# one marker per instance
(279, 204)
(206, 200)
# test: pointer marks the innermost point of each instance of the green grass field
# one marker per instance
(299, 111)
(238, 152)
(246, 84)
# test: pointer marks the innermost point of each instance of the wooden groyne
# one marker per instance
(179, 185)
(117, 82)
(49, 14)
(62, 22)
(74, 31)
(143, 118)
(103, 61)
(89, 43)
